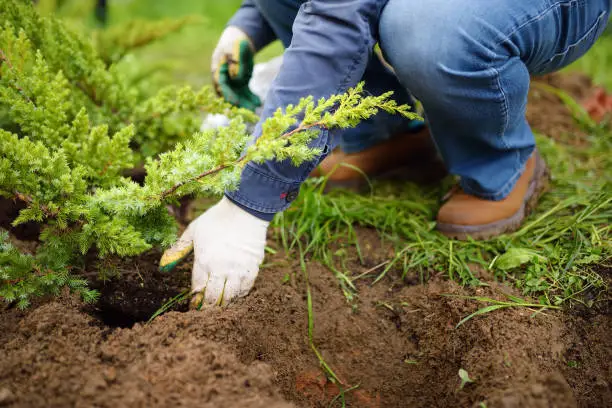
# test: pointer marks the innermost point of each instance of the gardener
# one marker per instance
(469, 64)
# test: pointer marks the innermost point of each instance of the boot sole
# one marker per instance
(538, 185)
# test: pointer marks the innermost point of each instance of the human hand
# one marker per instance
(228, 245)
(232, 68)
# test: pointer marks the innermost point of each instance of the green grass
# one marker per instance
(554, 256)
(494, 304)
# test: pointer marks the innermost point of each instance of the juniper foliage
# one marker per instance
(71, 127)
(23, 277)
(34, 45)
(115, 42)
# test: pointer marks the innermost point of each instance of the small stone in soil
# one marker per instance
(6, 397)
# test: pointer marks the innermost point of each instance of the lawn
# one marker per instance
(191, 59)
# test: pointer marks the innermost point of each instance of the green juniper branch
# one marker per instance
(69, 124)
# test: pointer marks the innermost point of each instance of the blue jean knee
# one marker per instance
(470, 67)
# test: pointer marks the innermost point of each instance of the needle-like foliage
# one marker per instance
(71, 127)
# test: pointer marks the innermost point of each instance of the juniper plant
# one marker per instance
(33, 45)
(69, 126)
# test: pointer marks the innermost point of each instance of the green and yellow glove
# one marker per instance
(232, 68)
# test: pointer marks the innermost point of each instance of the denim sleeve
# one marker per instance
(330, 49)
(249, 19)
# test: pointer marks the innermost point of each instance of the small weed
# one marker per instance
(507, 361)
(170, 304)
(513, 301)
(572, 364)
(465, 378)
(326, 368)
(385, 305)
(578, 112)
(270, 250)
(107, 270)
(341, 396)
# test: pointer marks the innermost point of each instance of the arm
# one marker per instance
(253, 24)
(331, 46)
(332, 43)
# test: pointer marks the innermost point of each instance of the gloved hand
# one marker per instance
(232, 67)
(228, 245)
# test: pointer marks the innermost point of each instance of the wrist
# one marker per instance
(230, 213)
(260, 215)
(262, 194)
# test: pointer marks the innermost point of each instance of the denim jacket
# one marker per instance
(332, 43)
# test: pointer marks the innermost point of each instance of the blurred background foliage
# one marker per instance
(184, 56)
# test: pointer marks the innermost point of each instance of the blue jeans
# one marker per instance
(468, 62)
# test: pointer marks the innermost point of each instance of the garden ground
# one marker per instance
(395, 345)
(317, 330)
(400, 347)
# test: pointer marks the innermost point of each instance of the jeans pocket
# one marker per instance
(579, 47)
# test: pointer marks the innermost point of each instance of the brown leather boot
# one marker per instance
(464, 215)
(409, 157)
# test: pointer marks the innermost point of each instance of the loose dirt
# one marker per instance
(397, 343)
(548, 115)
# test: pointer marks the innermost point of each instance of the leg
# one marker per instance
(101, 11)
(470, 68)
(385, 145)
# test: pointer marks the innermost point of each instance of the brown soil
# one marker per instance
(548, 115)
(397, 342)
(139, 293)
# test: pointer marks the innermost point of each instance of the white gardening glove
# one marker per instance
(232, 67)
(228, 245)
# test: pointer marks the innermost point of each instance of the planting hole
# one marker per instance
(138, 292)
(112, 316)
